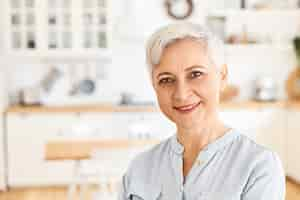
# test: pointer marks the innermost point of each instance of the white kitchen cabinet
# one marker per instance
(240, 118)
(2, 158)
(293, 150)
(51, 27)
(27, 135)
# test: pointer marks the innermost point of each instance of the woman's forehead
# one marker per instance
(183, 55)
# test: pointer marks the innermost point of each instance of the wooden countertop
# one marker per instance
(294, 105)
(139, 108)
(81, 108)
(81, 149)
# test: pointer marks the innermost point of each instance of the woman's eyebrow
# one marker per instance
(163, 73)
(194, 67)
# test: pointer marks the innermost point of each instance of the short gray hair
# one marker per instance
(169, 34)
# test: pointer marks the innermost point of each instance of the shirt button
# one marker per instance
(181, 188)
(199, 162)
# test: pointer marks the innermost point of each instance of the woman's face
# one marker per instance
(188, 84)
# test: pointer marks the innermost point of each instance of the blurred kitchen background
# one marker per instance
(76, 100)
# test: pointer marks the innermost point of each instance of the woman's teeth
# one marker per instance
(187, 108)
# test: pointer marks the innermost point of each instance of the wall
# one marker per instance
(134, 20)
(3, 104)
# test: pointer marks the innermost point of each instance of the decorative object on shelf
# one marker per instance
(16, 40)
(52, 40)
(217, 25)
(31, 40)
(30, 96)
(86, 86)
(49, 80)
(126, 98)
(265, 89)
(243, 4)
(102, 40)
(293, 81)
(229, 93)
(179, 13)
(258, 4)
(267, 4)
(241, 38)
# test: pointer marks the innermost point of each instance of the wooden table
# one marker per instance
(81, 149)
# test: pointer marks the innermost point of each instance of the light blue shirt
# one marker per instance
(233, 167)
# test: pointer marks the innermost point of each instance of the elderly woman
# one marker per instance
(205, 159)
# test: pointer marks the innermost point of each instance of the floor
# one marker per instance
(293, 193)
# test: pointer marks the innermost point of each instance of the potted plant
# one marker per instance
(296, 43)
(293, 81)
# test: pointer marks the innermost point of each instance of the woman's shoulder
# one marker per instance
(249, 144)
(262, 168)
(254, 154)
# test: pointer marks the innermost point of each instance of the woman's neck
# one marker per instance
(197, 137)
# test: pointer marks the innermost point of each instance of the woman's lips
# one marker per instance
(187, 108)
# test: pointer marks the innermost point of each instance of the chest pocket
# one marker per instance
(143, 192)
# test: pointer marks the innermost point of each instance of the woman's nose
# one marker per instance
(182, 92)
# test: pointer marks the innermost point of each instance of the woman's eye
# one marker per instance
(196, 74)
(165, 80)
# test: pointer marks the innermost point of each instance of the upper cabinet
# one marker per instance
(56, 26)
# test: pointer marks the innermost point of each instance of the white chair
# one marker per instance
(105, 168)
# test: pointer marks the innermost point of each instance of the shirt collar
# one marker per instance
(212, 147)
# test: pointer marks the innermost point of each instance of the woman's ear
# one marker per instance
(223, 77)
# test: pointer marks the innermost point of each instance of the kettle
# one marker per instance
(265, 89)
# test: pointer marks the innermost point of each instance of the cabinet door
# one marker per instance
(56, 26)
(271, 131)
(27, 135)
(240, 119)
(2, 160)
(293, 145)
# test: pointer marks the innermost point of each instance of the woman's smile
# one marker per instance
(187, 108)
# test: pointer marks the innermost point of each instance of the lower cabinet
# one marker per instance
(27, 135)
(2, 158)
(293, 145)
(272, 131)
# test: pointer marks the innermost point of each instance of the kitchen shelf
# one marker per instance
(255, 13)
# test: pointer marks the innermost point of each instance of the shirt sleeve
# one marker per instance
(267, 180)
